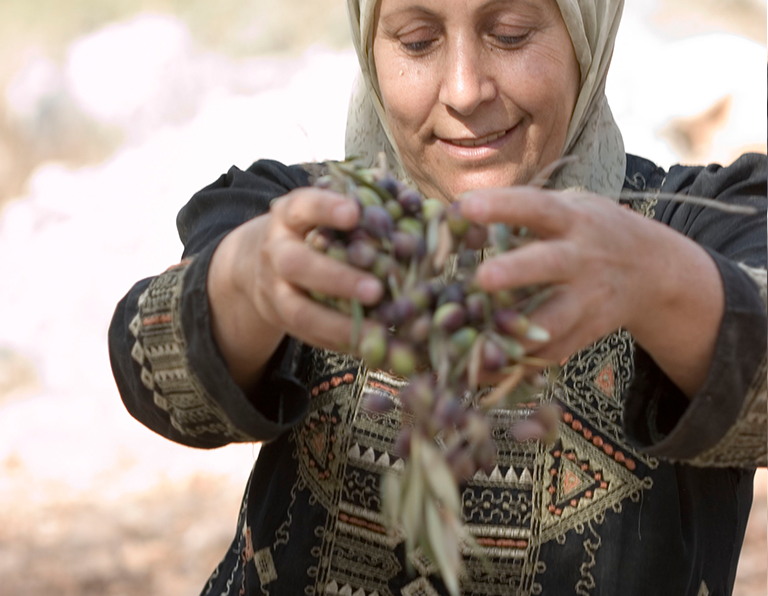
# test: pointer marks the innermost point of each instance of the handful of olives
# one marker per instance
(438, 328)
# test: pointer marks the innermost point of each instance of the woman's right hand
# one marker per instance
(261, 271)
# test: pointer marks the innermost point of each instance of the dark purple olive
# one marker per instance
(485, 456)
(477, 306)
(451, 293)
(406, 245)
(402, 447)
(379, 403)
(394, 314)
(361, 235)
(476, 237)
(377, 221)
(418, 331)
(391, 184)
(461, 463)
(448, 411)
(493, 357)
(361, 254)
(410, 200)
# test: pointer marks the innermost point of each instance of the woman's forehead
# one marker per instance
(446, 7)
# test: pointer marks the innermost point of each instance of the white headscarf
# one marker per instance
(593, 135)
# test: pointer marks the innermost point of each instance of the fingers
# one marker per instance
(306, 208)
(308, 269)
(311, 322)
(535, 263)
(546, 213)
(572, 325)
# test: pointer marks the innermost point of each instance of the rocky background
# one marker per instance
(111, 116)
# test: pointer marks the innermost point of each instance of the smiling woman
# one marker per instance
(476, 94)
(657, 316)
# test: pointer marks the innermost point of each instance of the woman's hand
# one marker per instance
(259, 275)
(609, 268)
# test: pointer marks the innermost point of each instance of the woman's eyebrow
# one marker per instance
(532, 4)
(415, 8)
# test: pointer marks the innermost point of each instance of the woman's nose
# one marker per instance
(465, 85)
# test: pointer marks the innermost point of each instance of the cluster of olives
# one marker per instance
(438, 328)
(436, 325)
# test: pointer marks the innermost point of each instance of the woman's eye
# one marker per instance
(510, 40)
(417, 47)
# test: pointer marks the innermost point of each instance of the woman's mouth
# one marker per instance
(478, 148)
(478, 141)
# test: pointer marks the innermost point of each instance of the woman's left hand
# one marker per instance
(609, 267)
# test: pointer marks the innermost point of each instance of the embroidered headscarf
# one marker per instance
(593, 136)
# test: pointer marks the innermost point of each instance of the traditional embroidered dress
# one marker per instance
(644, 493)
(602, 511)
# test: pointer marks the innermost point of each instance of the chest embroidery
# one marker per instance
(535, 495)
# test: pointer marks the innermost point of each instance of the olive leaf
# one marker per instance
(439, 478)
(391, 495)
(441, 547)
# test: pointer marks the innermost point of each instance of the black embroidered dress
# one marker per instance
(644, 493)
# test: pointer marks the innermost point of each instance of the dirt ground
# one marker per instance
(165, 542)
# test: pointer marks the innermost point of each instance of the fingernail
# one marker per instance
(345, 213)
(369, 290)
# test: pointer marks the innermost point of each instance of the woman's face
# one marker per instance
(478, 93)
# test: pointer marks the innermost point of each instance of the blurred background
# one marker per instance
(112, 114)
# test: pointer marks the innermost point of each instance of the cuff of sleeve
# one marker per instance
(277, 403)
(659, 418)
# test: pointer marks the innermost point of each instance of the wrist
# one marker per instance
(246, 339)
(681, 303)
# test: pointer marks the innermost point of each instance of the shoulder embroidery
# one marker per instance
(160, 350)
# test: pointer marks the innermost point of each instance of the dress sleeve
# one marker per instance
(170, 373)
(724, 424)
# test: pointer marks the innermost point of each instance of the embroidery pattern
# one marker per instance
(745, 443)
(587, 581)
(265, 566)
(593, 382)
(419, 587)
(534, 494)
(160, 350)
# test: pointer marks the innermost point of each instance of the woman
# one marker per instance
(658, 317)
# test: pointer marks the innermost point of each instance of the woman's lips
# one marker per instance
(477, 148)
(479, 141)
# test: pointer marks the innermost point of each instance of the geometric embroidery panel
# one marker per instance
(265, 566)
(585, 477)
(420, 587)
